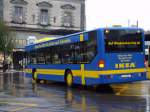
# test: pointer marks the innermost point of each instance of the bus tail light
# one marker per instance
(101, 64)
(145, 63)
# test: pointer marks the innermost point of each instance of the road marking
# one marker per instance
(24, 105)
(19, 108)
(20, 104)
(122, 90)
(134, 95)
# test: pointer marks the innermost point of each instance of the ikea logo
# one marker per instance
(125, 65)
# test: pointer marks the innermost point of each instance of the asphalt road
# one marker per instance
(19, 94)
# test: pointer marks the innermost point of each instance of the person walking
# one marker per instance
(5, 66)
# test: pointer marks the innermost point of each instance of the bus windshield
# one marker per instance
(123, 41)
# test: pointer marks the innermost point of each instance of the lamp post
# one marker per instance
(5, 46)
(128, 23)
(137, 23)
(5, 52)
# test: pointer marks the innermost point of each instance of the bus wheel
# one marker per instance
(69, 79)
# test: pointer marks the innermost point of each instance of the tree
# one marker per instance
(7, 40)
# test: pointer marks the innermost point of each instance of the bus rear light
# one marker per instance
(145, 63)
(101, 64)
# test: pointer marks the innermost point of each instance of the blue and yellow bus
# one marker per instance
(101, 56)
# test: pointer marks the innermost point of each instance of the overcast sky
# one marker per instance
(101, 13)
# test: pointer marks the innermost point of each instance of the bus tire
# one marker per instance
(69, 78)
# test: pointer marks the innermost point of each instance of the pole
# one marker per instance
(137, 23)
(5, 52)
(128, 23)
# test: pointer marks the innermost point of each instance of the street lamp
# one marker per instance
(128, 23)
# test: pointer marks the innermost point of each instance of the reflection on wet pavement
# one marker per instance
(19, 94)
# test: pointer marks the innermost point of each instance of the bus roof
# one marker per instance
(55, 38)
(66, 36)
(45, 39)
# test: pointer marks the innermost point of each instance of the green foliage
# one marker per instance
(7, 39)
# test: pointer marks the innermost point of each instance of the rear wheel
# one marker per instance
(69, 79)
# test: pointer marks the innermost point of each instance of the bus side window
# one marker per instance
(40, 57)
(32, 59)
(66, 54)
(90, 55)
(48, 59)
(92, 45)
(47, 55)
(56, 59)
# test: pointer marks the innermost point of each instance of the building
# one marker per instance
(41, 18)
(1, 9)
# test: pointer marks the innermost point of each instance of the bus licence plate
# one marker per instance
(126, 76)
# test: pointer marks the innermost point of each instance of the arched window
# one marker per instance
(21, 2)
(67, 19)
(19, 11)
(67, 15)
(44, 13)
(68, 6)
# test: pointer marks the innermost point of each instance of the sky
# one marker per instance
(106, 13)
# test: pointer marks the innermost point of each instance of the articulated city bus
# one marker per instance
(101, 56)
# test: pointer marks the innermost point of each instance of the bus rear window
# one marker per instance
(123, 41)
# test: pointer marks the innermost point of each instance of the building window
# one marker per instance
(67, 15)
(44, 13)
(44, 18)
(19, 11)
(18, 14)
(67, 19)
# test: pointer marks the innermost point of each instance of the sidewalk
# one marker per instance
(10, 71)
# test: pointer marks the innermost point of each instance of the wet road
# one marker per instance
(19, 94)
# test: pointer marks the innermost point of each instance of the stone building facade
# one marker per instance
(42, 18)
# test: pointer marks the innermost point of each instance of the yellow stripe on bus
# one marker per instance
(123, 71)
(86, 73)
(50, 71)
(28, 70)
(96, 74)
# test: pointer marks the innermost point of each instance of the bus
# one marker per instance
(101, 56)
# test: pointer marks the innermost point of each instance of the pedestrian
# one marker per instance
(9, 62)
(5, 66)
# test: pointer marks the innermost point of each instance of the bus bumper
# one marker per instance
(117, 78)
